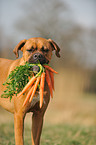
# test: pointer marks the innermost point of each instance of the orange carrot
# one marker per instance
(42, 88)
(52, 78)
(35, 87)
(27, 86)
(49, 68)
(28, 95)
(48, 79)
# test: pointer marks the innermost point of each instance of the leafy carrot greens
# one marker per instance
(18, 78)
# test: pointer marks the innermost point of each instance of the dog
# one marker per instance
(34, 50)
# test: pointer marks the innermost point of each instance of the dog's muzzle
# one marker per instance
(38, 58)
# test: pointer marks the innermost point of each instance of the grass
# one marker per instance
(53, 135)
(60, 123)
(69, 135)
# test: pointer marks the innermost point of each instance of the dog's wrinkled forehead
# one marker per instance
(37, 44)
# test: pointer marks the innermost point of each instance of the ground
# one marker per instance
(67, 122)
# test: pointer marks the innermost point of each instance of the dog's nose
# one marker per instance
(37, 56)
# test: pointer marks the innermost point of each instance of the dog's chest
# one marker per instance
(35, 100)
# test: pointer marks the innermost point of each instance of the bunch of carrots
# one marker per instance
(46, 73)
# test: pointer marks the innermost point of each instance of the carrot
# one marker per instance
(42, 88)
(49, 68)
(27, 86)
(28, 95)
(52, 78)
(48, 79)
(35, 87)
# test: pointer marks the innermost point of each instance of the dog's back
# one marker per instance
(4, 69)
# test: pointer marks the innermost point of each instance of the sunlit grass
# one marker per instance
(60, 126)
(53, 135)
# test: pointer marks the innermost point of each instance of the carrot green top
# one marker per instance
(19, 77)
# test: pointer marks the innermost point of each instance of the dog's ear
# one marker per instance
(19, 47)
(55, 47)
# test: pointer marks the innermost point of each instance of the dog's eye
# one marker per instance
(30, 50)
(45, 49)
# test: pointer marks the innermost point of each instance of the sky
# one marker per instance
(83, 11)
(10, 12)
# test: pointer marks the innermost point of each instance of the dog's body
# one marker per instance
(34, 50)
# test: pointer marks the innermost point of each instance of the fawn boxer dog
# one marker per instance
(33, 49)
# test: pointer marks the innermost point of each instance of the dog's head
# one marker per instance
(37, 50)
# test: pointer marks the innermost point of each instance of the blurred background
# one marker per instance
(72, 25)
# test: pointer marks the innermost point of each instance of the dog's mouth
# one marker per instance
(38, 58)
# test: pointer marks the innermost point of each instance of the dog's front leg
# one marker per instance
(37, 123)
(37, 120)
(18, 126)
